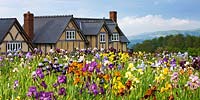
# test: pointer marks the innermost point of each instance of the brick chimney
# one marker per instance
(29, 24)
(113, 16)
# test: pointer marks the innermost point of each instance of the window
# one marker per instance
(70, 35)
(102, 37)
(115, 37)
(12, 46)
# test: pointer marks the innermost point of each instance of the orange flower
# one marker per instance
(181, 71)
(80, 65)
(189, 71)
(100, 75)
(121, 91)
(99, 66)
(74, 64)
(76, 80)
(117, 74)
(77, 73)
(106, 77)
(84, 73)
(70, 69)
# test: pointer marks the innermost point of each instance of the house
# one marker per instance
(68, 32)
(65, 32)
(103, 33)
(13, 36)
(51, 32)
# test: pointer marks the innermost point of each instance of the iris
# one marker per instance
(40, 73)
(93, 88)
(46, 95)
(62, 91)
(92, 66)
(111, 66)
(32, 91)
(16, 84)
(43, 84)
(61, 79)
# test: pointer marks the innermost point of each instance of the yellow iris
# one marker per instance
(140, 71)
(18, 98)
(166, 88)
(130, 66)
(165, 71)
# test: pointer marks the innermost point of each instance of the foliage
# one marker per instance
(171, 43)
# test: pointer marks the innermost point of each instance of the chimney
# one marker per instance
(113, 16)
(29, 24)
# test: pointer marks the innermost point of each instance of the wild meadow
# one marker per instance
(99, 75)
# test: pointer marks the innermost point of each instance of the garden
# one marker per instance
(92, 74)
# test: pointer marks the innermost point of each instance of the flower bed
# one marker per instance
(93, 74)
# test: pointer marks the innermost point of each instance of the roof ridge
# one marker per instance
(53, 16)
(6, 18)
(91, 18)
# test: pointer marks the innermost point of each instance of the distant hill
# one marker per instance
(150, 35)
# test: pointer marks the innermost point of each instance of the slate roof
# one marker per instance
(89, 26)
(48, 29)
(92, 26)
(124, 39)
(5, 26)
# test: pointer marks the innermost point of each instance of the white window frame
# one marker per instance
(115, 37)
(12, 46)
(102, 38)
(70, 35)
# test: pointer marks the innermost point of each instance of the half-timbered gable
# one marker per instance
(72, 38)
(117, 38)
(95, 31)
(13, 36)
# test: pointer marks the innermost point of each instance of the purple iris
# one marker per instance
(93, 88)
(111, 66)
(92, 66)
(165, 59)
(1, 58)
(97, 56)
(102, 91)
(40, 73)
(32, 91)
(182, 64)
(62, 79)
(46, 95)
(174, 77)
(84, 69)
(55, 85)
(119, 67)
(16, 84)
(173, 63)
(62, 91)
(43, 84)
(98, 70)
(28, 55)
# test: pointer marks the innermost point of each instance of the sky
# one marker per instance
(134, 16)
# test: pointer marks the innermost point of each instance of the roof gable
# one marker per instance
(5, 25)
(48, 29)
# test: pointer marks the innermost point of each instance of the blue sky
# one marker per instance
(134, 16)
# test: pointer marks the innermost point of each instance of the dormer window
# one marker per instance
(70, 35)
(102, 37)
(115, 37)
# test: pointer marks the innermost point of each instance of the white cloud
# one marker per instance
(150, 23)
